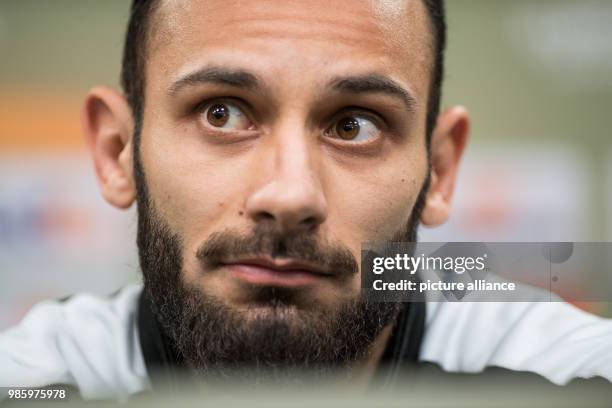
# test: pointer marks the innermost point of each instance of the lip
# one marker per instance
(285, 272)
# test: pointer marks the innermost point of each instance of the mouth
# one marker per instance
(281, 272)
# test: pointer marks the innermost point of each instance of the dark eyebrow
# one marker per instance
(375, 83)
(216, 75)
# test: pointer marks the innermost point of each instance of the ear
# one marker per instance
(447, 145)
(107, 124)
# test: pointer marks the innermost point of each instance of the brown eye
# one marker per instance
(355, 129)
(218, 115)
(226, 117)
(348, 128)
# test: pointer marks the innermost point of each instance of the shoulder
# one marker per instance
(554, 339)
(87, 341)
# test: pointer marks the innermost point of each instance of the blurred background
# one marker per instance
(536, 76)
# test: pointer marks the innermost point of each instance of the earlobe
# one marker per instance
(107, 125)
(447, 146)
(436, 210)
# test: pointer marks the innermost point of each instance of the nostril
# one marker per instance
(264, 215)
(309, 222)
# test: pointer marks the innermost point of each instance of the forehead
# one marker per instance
(307, 40)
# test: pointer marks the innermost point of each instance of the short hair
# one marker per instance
(135, 53)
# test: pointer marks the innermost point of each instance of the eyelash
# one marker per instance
(242, 104)
(368, 114)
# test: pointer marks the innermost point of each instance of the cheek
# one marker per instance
(190, 188)
(376, 205)
(372, 210)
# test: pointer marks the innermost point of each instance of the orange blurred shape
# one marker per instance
(39, 119)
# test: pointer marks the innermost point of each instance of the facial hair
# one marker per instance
(288, 335)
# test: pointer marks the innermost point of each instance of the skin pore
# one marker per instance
(298, 119)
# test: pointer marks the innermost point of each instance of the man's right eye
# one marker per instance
(225, 116)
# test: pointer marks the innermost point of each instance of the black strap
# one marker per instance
(161, 357)
(405, 343)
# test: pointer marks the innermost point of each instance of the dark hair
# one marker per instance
(135, 49)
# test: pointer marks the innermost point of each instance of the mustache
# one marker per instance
(265, 240)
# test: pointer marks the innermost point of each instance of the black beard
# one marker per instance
(282, 337)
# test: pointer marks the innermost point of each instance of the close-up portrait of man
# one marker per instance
(262, 143)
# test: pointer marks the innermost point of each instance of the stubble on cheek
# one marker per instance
(381, 211)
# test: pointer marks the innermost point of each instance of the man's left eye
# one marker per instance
(355, 129)
(225, 116)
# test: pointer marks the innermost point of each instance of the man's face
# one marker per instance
(277, 137)
(303, 140)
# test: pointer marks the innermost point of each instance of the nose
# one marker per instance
(291, 195)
